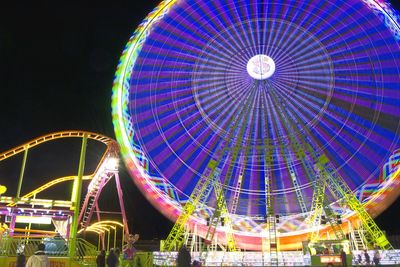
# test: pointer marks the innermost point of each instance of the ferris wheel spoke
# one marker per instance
(291, 131)
(306, 104)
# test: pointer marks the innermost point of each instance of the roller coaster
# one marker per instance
(29, 209)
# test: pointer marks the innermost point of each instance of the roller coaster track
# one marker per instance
(57, 135)
(52, 183)
(98, 174)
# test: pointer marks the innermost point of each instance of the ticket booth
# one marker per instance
(328, 252)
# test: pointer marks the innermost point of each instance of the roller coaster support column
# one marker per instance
(76, 198)
(121, 204)
(21, 178)
(21, 175)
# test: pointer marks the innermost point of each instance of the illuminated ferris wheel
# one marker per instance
(259, 91)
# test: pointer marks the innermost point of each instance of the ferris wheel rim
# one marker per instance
(118, 97)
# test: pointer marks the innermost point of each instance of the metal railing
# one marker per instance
(54, 247)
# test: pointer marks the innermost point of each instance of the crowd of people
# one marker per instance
(38, 259)
(364, 259)
(114, 259)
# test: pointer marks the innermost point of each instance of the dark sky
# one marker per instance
(57, 63)
(57, 66)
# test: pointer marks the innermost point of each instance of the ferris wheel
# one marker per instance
(260, 91)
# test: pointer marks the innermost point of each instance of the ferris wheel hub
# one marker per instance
(261, 67)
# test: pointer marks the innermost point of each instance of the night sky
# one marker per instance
(57, 64)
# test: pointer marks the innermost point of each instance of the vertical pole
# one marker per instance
(123, 236)
(97, 211)
(115, 236)
(98, 241)
(21, 175)
(68, 227)
(26, 235)
(12, 224)
(76, 198)
(103, 242)
(29, 231)
(121, 203)
(108, 240)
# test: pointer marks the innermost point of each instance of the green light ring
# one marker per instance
(120, 116)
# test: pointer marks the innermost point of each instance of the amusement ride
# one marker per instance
(263, 125)
(67, 216)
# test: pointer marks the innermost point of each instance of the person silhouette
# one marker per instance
(377, 257)
(21, 260)
(39, 259)
(367, 258)
(184, 259)
(101, 259)
(343, 258)
(112, 260)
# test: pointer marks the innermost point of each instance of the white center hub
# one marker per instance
(261, 67)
